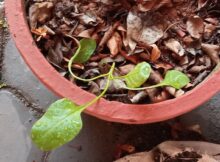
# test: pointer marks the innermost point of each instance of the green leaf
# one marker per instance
(138, 75)
(175, 79)
(84, 52)
(59, 125)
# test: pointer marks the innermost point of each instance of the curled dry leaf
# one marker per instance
(155, 53)
(134, 59)
(108, 34)
(88, 19)
(195, 27)
(139, 96)
(41, 31)
(197, 69)
(175, 47)
(40, 12)
(114, 44)
(212, 51)
(202, 65)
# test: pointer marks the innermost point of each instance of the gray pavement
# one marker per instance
(25, 97)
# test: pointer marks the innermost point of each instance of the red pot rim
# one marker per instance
(106, 110)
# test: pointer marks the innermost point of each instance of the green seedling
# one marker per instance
(173, 78)
(62, 122)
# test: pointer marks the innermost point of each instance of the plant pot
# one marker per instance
(106, 110)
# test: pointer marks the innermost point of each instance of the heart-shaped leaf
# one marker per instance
(138, 75)
(175, 79)
(86, 48)
(59, 125)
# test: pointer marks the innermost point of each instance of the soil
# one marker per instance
(183, 35)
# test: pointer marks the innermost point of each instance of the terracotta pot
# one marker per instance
(106, 110)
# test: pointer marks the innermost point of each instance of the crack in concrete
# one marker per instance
(17, 93)
(4, 36)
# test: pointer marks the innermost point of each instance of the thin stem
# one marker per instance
(118, 77)
(104, 91)
(144, 88)
(76, 77)
(170, 26)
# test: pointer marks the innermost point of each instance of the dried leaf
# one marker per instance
(55, 57)
(88, 19)
(175, 47)
(134, 27)
(138, 32)
(114, 44)
(151, 35)
(212, 51)
(155, 53)
(116, 85)
(134, 59)
(86, 33)
(139, 96)
(40, 12)
(147, 5)
(209, 29)
(195, 27)
(126, 68)
(202, 3)
(40, 31)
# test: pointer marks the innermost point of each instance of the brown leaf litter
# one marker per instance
(169, 34)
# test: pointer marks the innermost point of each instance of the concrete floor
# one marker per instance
(25, 98)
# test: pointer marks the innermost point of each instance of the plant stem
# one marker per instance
(104, 91)
(144, 88)
(76, 77)
(118, 77)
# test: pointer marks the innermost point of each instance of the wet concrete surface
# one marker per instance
(208, 117)
(15, 124)
(26, 97)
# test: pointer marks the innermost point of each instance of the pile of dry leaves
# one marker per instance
(169, 34)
